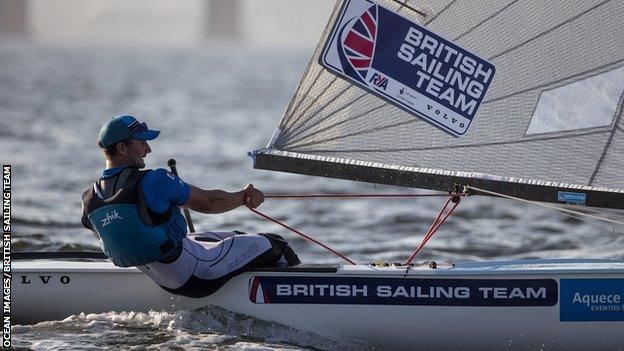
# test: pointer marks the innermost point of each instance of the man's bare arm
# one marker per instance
(219, 201)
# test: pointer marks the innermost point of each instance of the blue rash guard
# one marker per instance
(161, 188)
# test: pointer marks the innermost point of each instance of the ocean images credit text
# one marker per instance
(6, 261)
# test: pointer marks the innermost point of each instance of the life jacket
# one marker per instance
(130, 233)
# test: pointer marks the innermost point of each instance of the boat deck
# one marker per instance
(519, 267)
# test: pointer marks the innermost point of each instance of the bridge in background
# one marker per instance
(13, 17)
(221, 18)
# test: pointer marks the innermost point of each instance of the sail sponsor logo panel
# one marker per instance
(591, 300)
(402, 291)
(407, 65)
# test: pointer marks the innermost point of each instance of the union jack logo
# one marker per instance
(358, 42)
(256, 292)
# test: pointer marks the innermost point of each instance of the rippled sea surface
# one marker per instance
(213, 104)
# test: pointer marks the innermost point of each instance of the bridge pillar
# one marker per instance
(222, 19)
(13, 17)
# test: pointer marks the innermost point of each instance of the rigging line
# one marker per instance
(485, 20)
(303, 235)
(293, 136)
(431, 148)
(424, 240)
(609, 140)
(620, 129)
(404, 4)
(437, 223)
(565, 211)
(604, 213)
(572, 79)
(301, 127)
(581, 218)
(368, 131)
(298, 117)
(549, 30)
(342, 196)
(440, 12)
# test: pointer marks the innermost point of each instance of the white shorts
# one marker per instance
(209, 259)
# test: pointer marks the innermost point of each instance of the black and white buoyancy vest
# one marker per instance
(130, 233)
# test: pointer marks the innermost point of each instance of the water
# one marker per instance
(213, 104)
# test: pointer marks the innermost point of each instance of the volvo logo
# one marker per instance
(45, 279)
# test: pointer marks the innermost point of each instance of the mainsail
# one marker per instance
(549, 128)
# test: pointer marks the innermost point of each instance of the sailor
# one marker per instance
(135, 213)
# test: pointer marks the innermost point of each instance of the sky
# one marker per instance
(165, 22)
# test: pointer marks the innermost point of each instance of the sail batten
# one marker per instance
(485, 20)
(549, 128)
(568, 79)
(597, 131)
(607, 146)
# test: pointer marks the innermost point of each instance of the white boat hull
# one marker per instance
(49, 290)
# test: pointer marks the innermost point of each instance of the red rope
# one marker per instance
(342, 196)
(437, 223)
(302, 235)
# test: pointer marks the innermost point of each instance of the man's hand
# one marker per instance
(252, 197)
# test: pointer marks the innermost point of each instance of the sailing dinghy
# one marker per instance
(520, 99)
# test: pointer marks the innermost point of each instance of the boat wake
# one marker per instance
(205, 328)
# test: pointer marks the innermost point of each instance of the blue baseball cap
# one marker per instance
(120, 128)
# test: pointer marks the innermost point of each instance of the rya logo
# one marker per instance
(110, 216)
(379, 81)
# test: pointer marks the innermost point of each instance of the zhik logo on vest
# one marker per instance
(110, 216)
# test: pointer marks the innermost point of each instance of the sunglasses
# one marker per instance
(137, 126)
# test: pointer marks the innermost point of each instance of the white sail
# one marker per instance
(552, 116)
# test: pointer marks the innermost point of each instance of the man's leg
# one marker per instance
(214, 264)
(213, 236)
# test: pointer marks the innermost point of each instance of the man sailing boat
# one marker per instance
(135, 214)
